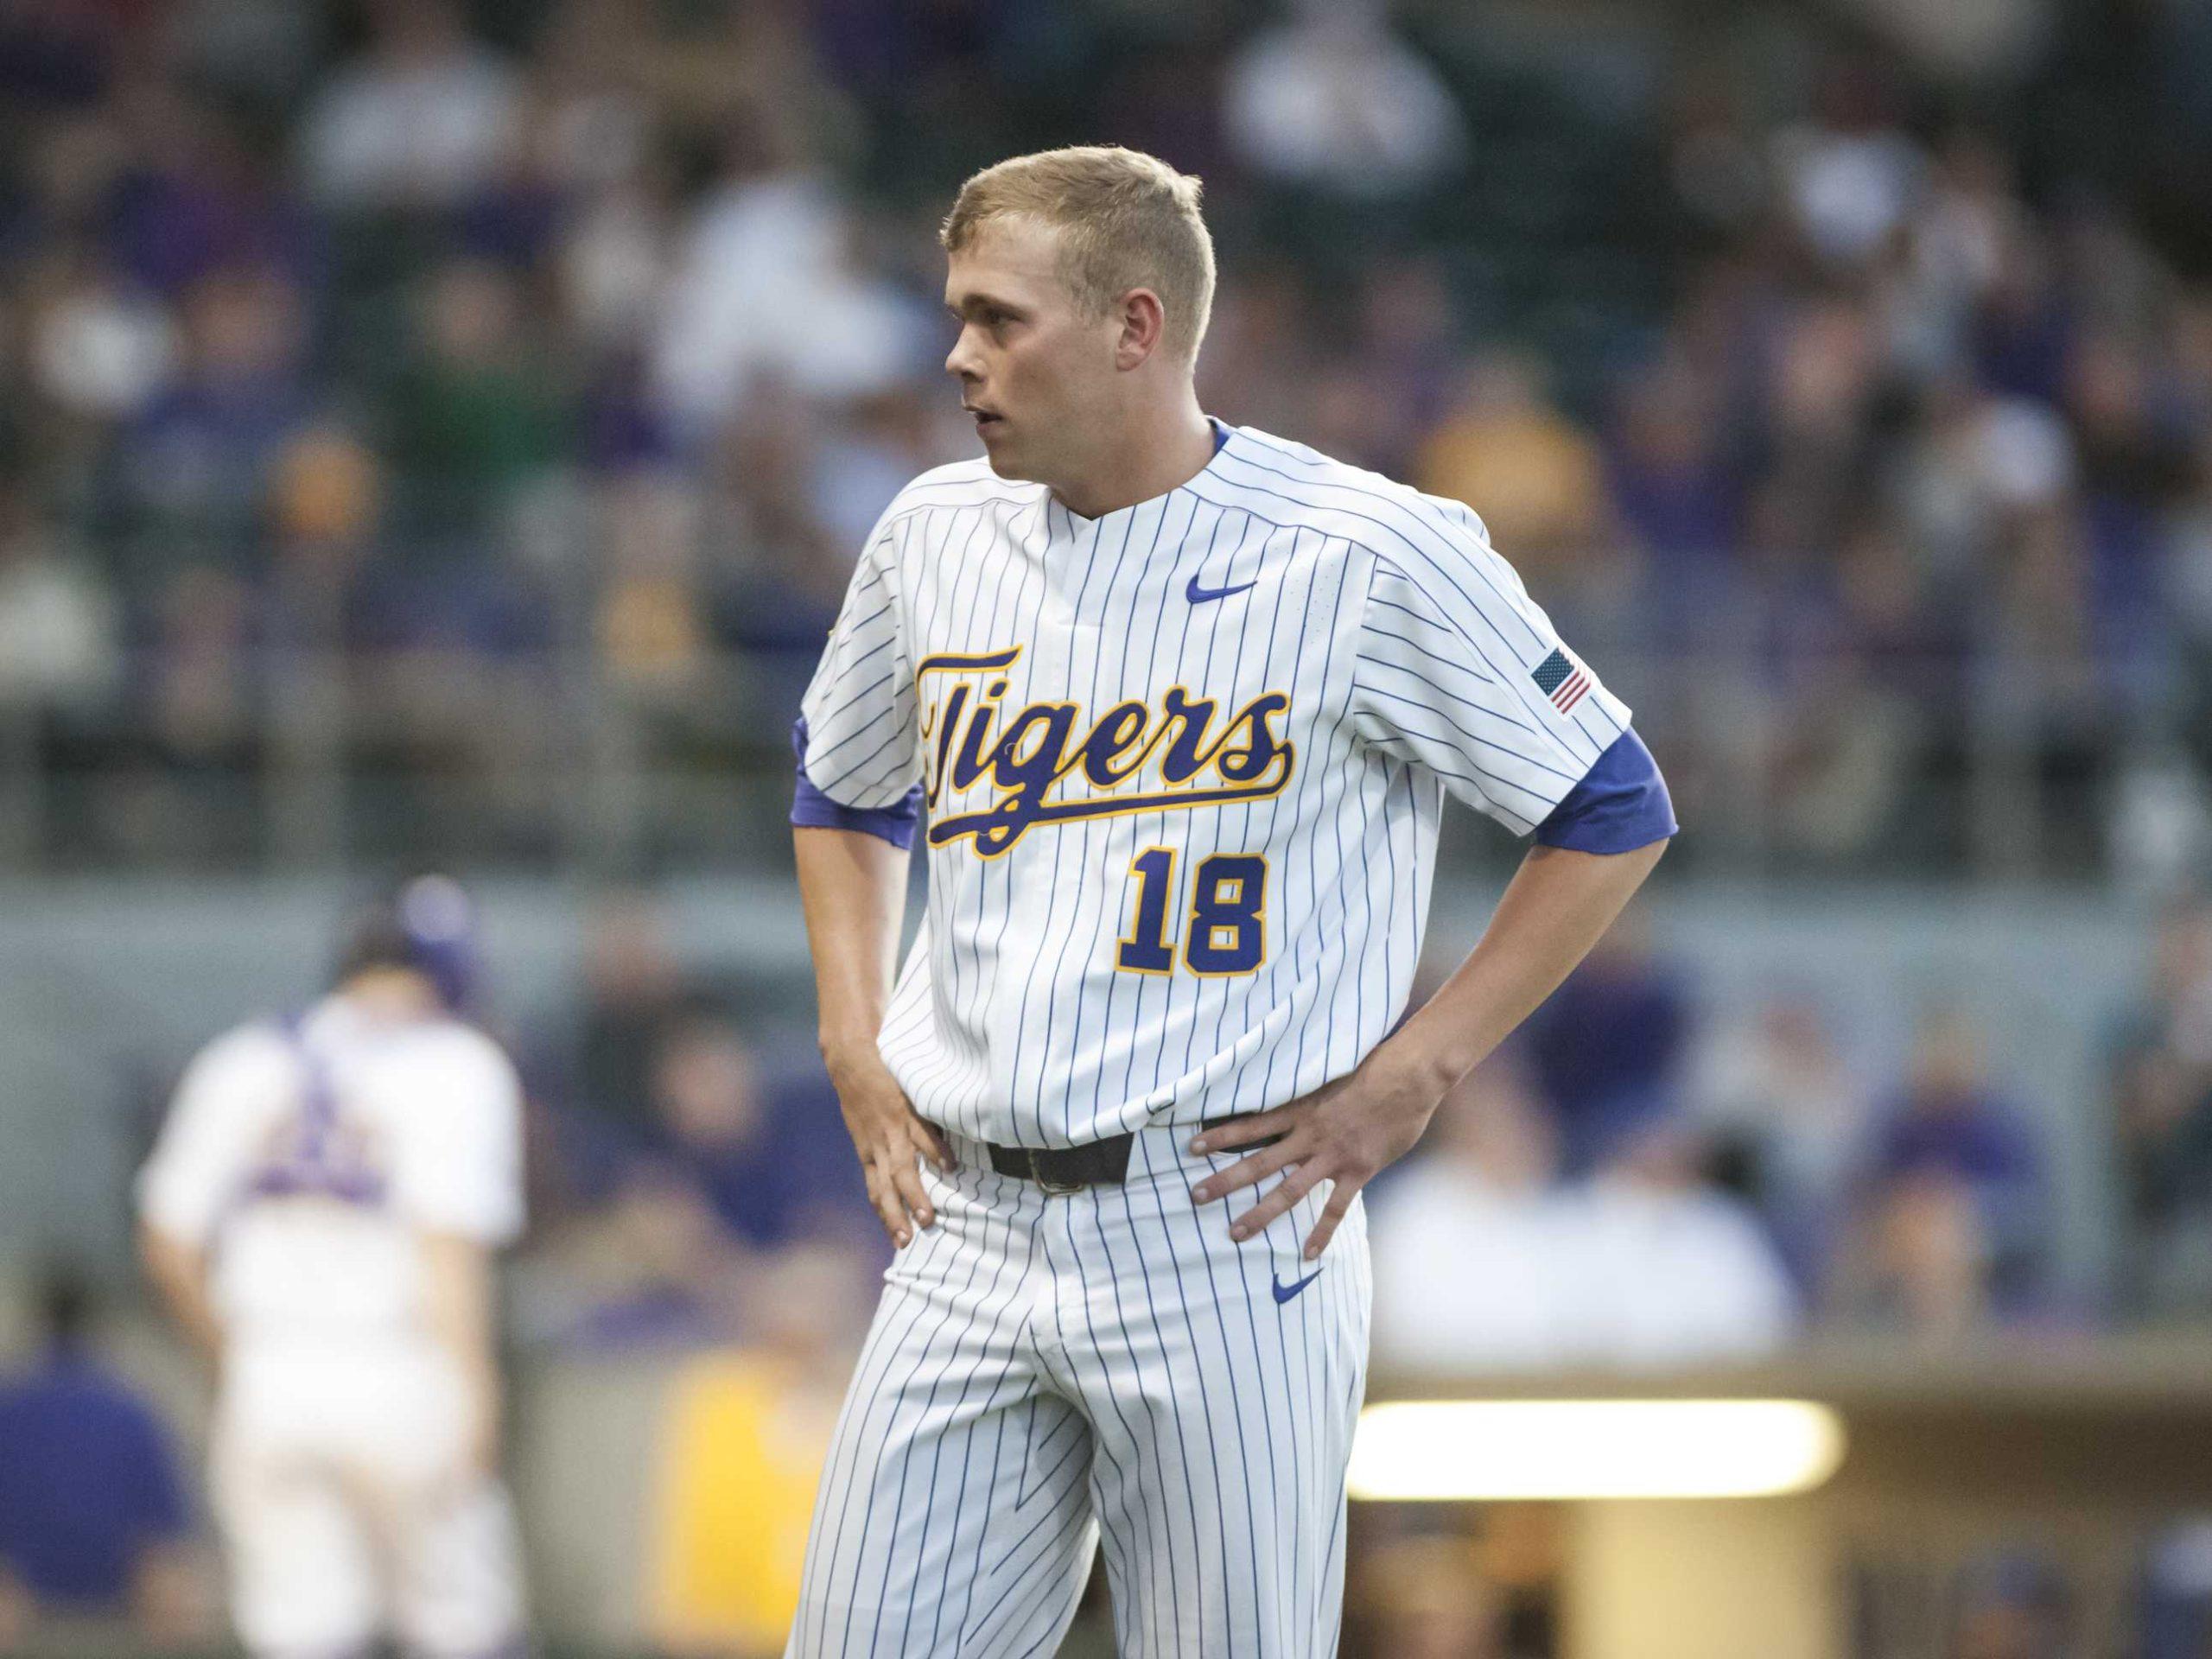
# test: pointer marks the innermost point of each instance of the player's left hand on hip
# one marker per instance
(1346, 1133)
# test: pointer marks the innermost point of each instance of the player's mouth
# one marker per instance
(987, 419)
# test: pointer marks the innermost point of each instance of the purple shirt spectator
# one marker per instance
(88, 1481)
(797, 1179)
(1977, 1138)
(1605, 1048)
(1950, 1126)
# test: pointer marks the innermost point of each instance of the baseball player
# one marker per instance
(1183, 701)
(320, 1213)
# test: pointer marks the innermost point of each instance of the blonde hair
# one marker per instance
(1126, 220)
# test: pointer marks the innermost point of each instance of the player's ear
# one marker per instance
(1143, 320)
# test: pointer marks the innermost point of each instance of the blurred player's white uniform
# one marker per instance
(309, 1160)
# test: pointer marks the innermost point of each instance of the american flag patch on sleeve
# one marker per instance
(1561, 680)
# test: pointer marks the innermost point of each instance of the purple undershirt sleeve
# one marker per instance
(812, 810)
(1620, 805)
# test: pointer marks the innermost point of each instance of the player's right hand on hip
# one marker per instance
(891, 1138)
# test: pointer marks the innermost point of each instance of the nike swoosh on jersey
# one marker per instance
(1284, 1292)
(1198, 593)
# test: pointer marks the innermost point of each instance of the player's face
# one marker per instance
(1034, 369)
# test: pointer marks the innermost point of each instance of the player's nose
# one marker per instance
(961, 361)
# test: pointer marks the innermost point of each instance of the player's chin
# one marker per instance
(1003, 454)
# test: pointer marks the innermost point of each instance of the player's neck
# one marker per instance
(1155, 453)
(389, 995)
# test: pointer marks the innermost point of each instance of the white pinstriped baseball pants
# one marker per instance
(1046, 1372)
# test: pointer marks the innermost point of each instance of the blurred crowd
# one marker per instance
(422, 425)
(1643, 1184)
(692, 1183)
(1647, 1189)
(1650, 1177)
(431, 398)
(1642, 1181)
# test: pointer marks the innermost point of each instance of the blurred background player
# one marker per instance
(319, 1214)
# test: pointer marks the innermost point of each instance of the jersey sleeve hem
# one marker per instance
(1622, 803)
(812, 810)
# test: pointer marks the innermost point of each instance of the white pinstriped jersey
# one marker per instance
(1183, 767)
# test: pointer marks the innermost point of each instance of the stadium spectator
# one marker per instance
(592, 1055)
(2015, 1604)
(768, 1155)
(635, 988)
(615, 260)
(1535, 478)
(1643, 1264)
(1782, 1105)
(1852, 699)
(196, 466)
(589, 113)
(1851, 174)
(1952, 1224)
(94, 1523)
(2160, 1071)
(324, 507)
(1481, 1192)
(97, 349)
(1668, 477)
(59, 632)
(1260, 351)
(1607, 1047)
(730, 1160)
(419, 121)
(1670, 1270)
(1414, 342)
(767, 287)
(198, 678)
(1429, 1599)
(476, 415)
(871, 442)
(1331, 99)
(742, 1439)
(651, 623)
(777, 573)
(200, 195)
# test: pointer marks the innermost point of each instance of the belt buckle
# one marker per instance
(1056, 1188)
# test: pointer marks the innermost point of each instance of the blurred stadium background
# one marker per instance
(437, 434)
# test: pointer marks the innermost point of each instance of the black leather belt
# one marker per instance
(1067, 1169)
(1095, 1163)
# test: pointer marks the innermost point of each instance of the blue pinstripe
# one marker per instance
(1468, 602)
(1133, 1541)
(974, 1264)
(936, 1454)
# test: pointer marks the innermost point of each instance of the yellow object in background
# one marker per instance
(742, 1444)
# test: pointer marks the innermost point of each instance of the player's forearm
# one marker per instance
(457, 1279)
(1557, 906)
(853, 886)
(179, 1272)
(458, 1287)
